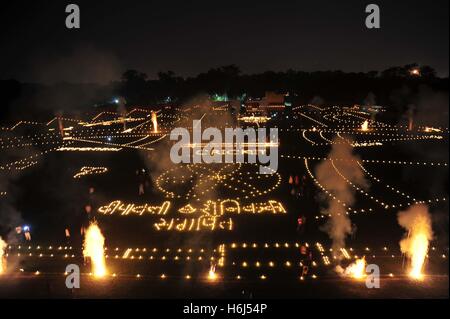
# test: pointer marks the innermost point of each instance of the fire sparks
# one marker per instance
(3, 246)
(419, 248)
(357, 269)
(61, 127)
(212, 273)
(155, 122)
(93, 248)
(415, 245)
(365, 126)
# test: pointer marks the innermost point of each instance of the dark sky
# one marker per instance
(189, 37)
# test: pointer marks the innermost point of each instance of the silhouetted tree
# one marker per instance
(133, 76)
(427, 71)
(335, 87)
(134, 87)
(372, 74)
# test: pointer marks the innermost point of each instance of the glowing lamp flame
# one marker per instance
(155, 122)
(365, 126)
(431, 129)
(94, 249)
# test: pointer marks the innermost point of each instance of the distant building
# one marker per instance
(252, 106)
(271, 102)
(290, 100)
(366, 108)
(226, 105)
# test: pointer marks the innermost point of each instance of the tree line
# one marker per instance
(331, 87)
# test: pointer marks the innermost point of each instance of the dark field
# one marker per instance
(261, 254)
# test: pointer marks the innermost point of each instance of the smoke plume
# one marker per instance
(317, 100)
(370, 99)
(339, 224)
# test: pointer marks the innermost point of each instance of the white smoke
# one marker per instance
(339, 224)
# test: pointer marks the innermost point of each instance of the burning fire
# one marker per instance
(212, 273)
(3, 246)
(155, 122)
(419, 248)
(365, 126)
(357, 269)
(415, 245)
(93, 248)
(61, 127)
(410, 123)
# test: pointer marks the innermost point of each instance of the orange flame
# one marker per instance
(357, 269)
(419, 249)
(61, 127)
(365, 126)
(3, 246)
(212, 273)
(417, 221)
(93, 248)
(155, 122)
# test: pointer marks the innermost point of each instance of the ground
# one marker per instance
(163, 242)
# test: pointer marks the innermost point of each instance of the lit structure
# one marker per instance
(232, 178)
(90, 170)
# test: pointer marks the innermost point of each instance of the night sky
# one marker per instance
(190, 37)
